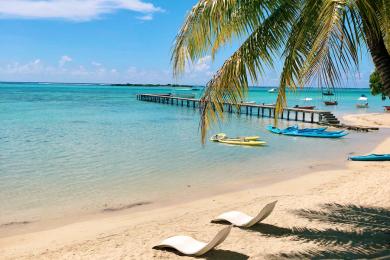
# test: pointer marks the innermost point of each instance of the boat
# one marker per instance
(328, 93)
(317, 134)
(365, 105)
(362, 102)
(295, 127)
(371, 157)
(307, 130)
(246, 140)
(249, 102)
(331, 103)
(387, 108)
(272, 90)
(222, 136)
(305, 102)
(242, 142)
(305, 107)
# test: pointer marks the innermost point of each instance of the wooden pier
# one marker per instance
(293, 114)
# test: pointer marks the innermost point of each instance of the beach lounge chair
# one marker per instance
(190, 246)
(240, 219)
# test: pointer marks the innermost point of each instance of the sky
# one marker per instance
(108, 41)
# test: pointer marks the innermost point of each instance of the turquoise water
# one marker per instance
(77, 149)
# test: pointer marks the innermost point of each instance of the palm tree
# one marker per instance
(317, 40)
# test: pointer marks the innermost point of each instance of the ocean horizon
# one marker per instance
(125, 84)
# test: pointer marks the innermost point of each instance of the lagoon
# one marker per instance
(70, 150)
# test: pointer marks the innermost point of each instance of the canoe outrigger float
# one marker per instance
(307, 132)
(371, 157)
(245, 140)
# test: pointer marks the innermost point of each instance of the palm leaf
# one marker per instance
(230, 84)
(384, 21)
(296, 50)
(211, 23)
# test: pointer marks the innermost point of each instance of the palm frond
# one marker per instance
(230, 84)
(296, 50)
(384, 21)
(211, 23)
(334, 48)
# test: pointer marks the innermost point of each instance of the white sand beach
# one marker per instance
(343, 194)
(371, 119)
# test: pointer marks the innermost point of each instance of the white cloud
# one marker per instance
(27, 68)
(96, 64)
(203, 64)
(64, 59)
(77, 10)
(201, 69)
(146, 17)
(38, 70)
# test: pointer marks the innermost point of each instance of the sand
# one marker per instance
(334, 214)
(371, 119)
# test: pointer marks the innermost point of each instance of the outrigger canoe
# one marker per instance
(312, 130)
(371, 157)
(295, 127)
(317, 134)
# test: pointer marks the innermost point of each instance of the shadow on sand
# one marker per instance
(367, 234)
(214, 254)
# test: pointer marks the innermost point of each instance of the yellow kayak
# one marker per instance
(242, 142)
(222, 136)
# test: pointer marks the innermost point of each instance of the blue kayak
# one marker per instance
(371, 157)
(295, 127)
(306, 130)
(317, 134)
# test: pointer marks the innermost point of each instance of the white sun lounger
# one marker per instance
(190, 246)
(240, 219)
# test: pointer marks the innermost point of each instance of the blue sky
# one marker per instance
(106, 41)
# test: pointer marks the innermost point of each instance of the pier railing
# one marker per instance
(295, 114)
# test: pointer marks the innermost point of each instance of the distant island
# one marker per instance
(153, 85)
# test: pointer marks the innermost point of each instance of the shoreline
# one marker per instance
(277, 174)
(381, 120)
(132, 234)
(24, 226)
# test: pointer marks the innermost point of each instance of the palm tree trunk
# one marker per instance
(381, 58)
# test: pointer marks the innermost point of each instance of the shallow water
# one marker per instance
(78, 149)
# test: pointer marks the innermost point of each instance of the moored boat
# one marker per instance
(242, 142)
(331, 103)
(365, 105)
(387, 108)
(306, 103)
(328, 93)
(245, 140)
(362, 102)
(305, 107)
(306, 133)
(312, 130)
(371, 157)
(222, 136)
(296, 128)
